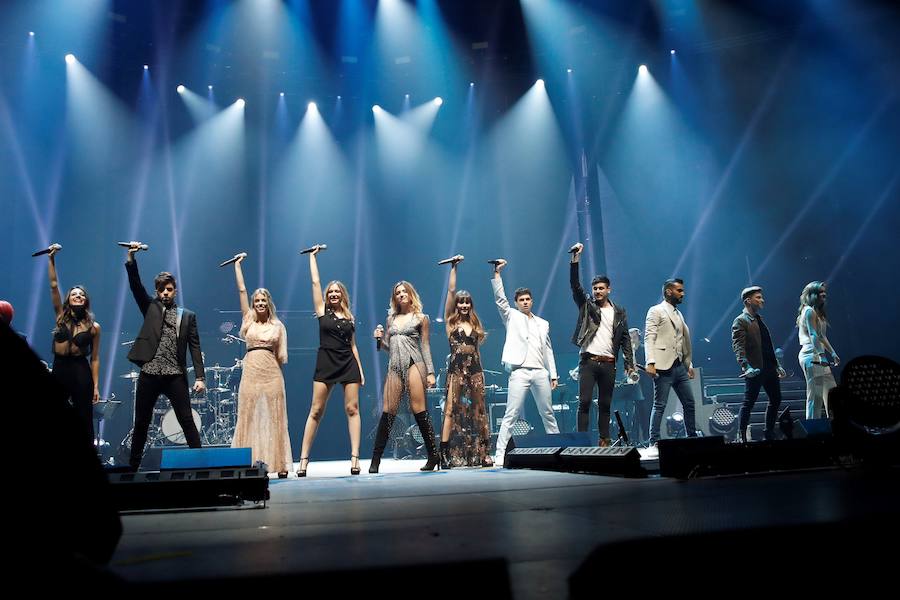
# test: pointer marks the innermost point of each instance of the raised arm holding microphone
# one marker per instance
(76, 344)
(601, 332)
(160, 350)
(262, 421)
(528, 356)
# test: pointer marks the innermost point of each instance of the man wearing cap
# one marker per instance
(753, 349)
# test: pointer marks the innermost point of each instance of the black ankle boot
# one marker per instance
(445, 455)
(384, 430)
(423, 420)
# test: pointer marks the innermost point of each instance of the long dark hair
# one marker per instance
(811, 296)
(67, 318)
(454, 319)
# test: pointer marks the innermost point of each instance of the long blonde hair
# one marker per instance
(345, 297)
(270, 305)
(414, 299)
(454, 319)
(811, 297)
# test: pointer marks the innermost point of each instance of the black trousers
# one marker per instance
(601, 375)
(149, 387)
(767, 380)
(74, 372)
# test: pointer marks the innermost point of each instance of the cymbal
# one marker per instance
(130, 375)
(218, 390)
(218, 369)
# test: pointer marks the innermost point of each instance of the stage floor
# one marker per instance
(543, 523)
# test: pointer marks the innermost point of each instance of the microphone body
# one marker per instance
(234, 259)
(573, 249)
(495, 262)
(47, 250)
(448, 261)
(128, 245)
(311, 248)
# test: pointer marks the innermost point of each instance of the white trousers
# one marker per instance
(819, 381)
(520, 381)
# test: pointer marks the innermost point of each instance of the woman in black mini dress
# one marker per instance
(337, 362)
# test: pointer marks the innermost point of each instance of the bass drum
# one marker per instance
(171, 429)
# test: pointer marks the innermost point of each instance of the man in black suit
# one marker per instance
(160, 350)
(754, 351)
(602, 330)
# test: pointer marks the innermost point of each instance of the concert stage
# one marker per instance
(542, 524)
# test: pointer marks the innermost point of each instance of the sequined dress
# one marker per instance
(407, 348)
(469, 433)
(262, 409)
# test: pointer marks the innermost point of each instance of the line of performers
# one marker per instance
(169, 333)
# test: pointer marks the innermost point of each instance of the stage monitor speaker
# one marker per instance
(540, 458)
(206, 458)
(556, 440)
(683, 457)
(188, 488)
(710, 456)
(812, 428)
(624, 461)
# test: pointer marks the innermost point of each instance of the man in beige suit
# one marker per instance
(667, 347)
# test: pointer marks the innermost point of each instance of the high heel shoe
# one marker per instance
(301, 472)
(354, 470)
(445, 455)
(384, 429)
(423, 420)
(282, 474)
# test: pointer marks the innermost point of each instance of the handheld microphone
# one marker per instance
(448, 261)
(378, 339)
(234, 259)
(128, 245)
(495, 262)
(47, 250)
(573, 249)
(312, 248)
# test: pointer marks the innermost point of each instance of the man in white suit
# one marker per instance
(667, 348)
(528, 356)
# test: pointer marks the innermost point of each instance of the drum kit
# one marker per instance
(214, 411)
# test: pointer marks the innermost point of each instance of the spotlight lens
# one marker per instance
(31, 33)
(240, 102)
(540, 82)
(70, 58)
(311, 106)
(209, 87)
(146, 67)
(281, 94)
(642, 69)
(471, 84)
(671, 52)
(438, 101)
(568, 70)
(338, 97)
(375, 108)
(180, 89)
(406, 95)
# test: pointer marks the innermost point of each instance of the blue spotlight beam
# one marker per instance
(816, 195)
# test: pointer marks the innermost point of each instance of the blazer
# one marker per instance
(147, 341)
(516, 346)
(659, 339)
(589, 316)
(746, 341)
